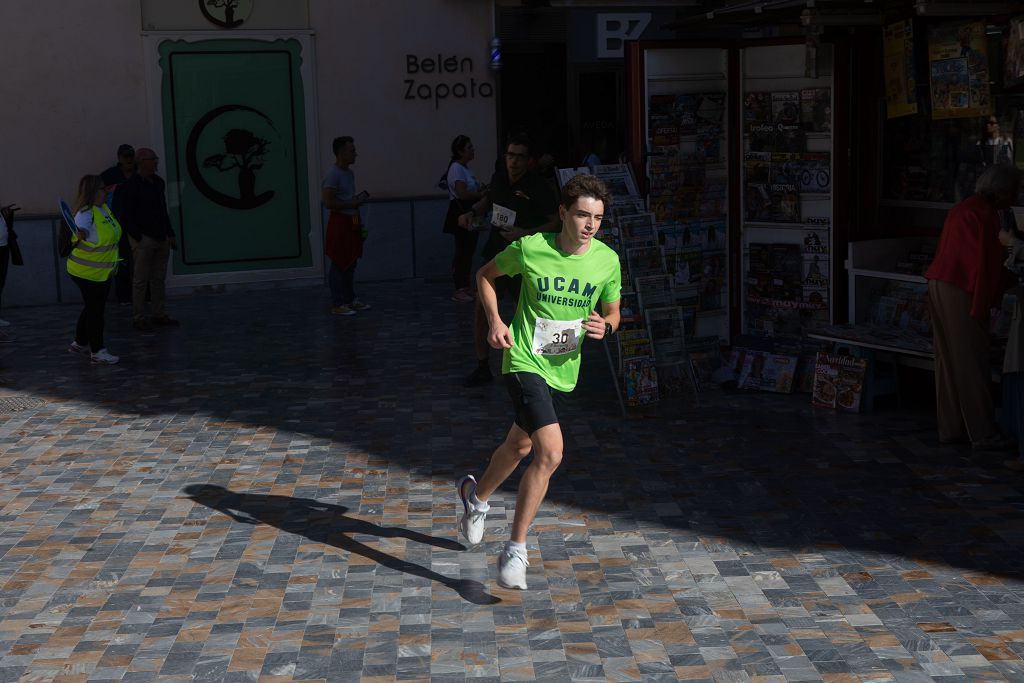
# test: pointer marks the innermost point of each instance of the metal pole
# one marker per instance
(615, 377)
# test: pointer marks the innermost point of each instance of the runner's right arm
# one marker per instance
(498, 334)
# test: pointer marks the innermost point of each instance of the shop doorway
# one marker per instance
(597, 113)
(533, 96)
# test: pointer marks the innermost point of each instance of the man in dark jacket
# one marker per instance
(117, 175)
(142, 204)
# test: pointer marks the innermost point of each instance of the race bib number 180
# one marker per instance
(556, 337)
(502, 216)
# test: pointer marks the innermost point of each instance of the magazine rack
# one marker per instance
(686, 138)
(786, 193)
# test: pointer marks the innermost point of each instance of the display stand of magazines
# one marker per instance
(654, 356)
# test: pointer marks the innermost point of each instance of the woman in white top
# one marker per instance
(463, 192)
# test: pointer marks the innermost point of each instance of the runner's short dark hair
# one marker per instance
(340, 142)
(585, 185)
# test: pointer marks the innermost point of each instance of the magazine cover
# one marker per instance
(640, 381)
(816, 109)
(757, 121)
(689, 264)
(757, 167)
(958, 70)
(708, 145)
(816, 242)
(788, 133)
(618, 178)
(644, 261)
(668, 333)
(711, 108)
(637, 226)
(784, 199)
(653, 291)
(900, 76)
(838, 381)
(675, 235)
(767, 372)
(635, 343)
(629, 310)
(565, 174)
(811, 171)
(706, 357)
(685, 112)
(1013, 70)
(713, 233)
(815, 271)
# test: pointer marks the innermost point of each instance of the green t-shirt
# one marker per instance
(557, 294)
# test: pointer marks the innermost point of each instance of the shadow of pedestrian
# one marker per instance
(327, 523)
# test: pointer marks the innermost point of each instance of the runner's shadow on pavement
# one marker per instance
(327, 523)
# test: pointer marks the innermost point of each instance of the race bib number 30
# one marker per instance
(556, 337)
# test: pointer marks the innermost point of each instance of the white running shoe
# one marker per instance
(104, 357)
(512, 566)
(80, 349)
(473, 520)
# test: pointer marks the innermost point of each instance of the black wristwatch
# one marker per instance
(607, 329)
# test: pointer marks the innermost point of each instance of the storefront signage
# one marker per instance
(226, 13)
(613, 30)
(456, 81)
(900, 81)
(236, 152)
(958, 68)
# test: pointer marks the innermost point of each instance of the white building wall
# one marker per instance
(75, 87)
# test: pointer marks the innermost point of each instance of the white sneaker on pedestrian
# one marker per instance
(104, 357)
(512, 566)
(4, 323)
(79, 349)
(358, 305)
(473, 520)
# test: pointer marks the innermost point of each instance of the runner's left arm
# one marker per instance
(594, 324)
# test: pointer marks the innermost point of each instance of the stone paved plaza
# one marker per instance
(267, 494)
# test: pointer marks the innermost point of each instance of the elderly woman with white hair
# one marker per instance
(965, 281)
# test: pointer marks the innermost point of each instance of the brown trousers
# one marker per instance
(963, 372)
(149, 264)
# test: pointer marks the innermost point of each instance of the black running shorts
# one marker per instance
(533, 400)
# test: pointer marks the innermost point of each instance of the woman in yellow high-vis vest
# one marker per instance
(91, 265)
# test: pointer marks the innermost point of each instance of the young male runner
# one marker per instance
(564, 275)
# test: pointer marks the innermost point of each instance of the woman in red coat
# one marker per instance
(965, 280)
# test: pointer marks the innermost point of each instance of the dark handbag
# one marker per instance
(12, 244)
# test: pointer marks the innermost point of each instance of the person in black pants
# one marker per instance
(116, 176)
(463, 192)
(91, 265)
